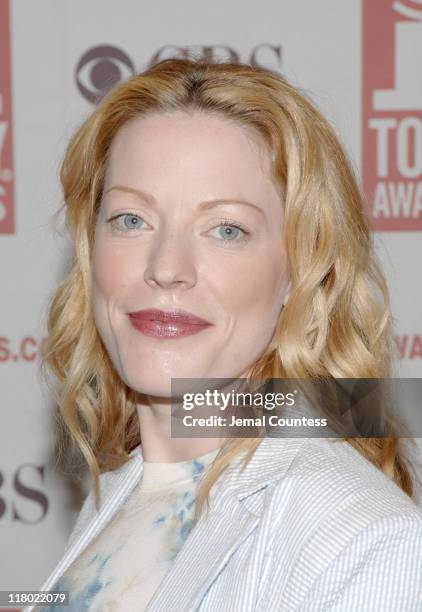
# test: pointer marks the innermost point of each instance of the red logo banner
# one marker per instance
(392, 113)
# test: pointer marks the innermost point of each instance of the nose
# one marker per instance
(170, 261)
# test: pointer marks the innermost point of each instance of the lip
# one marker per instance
(167, 323)
(173, 316)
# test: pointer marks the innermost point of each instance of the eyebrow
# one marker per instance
(203, 205)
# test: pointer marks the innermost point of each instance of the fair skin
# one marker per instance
(171, 253)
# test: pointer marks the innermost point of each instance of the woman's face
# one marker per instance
(172, 180)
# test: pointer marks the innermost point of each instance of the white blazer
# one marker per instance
(309, 525)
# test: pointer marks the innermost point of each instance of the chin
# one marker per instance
(156, 383)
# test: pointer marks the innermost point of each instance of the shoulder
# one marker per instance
(337, 532)
(328, 480)
(346, 531)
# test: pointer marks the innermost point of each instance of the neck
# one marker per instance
(155, 428)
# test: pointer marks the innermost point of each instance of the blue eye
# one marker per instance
(130, 222)
(131, 219)
(231, 232)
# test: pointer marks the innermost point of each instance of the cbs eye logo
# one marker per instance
(99, 69)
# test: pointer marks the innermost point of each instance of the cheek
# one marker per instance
(254, 289)
(108, 275)
(110, 272)
(103, 281)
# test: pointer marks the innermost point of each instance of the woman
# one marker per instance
(219, 233)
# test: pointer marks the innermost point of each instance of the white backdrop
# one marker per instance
(360, 61)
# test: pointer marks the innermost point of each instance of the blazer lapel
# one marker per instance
(115, 487)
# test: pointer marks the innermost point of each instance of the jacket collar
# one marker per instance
(268, 464)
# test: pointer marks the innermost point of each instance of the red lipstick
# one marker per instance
(167, 323)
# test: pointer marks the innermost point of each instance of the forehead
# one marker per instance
(198, 147)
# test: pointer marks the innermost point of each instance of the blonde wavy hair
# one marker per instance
(334, 323)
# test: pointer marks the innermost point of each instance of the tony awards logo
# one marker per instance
(392, 113)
